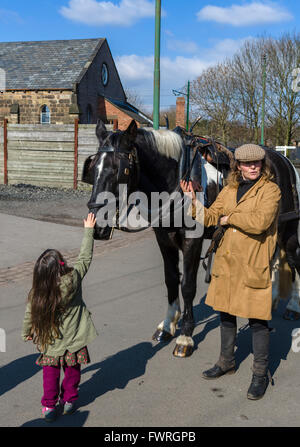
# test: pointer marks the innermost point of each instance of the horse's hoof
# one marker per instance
(183, 351)
(161, 335)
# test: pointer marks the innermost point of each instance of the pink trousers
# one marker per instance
(68, 391)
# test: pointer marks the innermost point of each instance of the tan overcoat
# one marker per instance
(241, 278)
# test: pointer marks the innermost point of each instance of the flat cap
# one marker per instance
(249, 152)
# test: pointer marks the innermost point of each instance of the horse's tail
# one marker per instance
(285, 276)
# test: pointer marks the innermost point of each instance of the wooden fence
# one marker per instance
(45, 155)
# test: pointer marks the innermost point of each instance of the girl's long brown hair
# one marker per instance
(45, 297)
(235, 174)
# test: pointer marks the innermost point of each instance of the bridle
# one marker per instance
(128, 166)
(128, 172)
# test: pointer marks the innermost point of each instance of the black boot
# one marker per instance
(257, 387)
(260, 379)
(226, 362)
(216, 371)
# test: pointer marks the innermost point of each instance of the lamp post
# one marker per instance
(263, 100)
(156, 87)
(176, 93)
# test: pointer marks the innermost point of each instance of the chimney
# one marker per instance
(180, 105)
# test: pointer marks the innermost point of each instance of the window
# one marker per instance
(45, 115)
(104, 74)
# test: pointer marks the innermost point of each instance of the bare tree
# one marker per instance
(231, 94)
(212, 95)
(247, 67)
(283, 56)
(133, 98)
(168, 115)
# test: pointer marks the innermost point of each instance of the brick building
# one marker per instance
(60, 80)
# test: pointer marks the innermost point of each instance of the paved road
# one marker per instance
(132, 381)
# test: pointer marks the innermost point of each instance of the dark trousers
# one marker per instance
(260, 342)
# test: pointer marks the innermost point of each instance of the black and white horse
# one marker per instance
(150, 162)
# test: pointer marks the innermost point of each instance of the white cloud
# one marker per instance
(223, 49)
(169, 33)
(136, 72)
(92, 12)
(133, 68)
(254, 13)
(182, 46)
(181, 69)
(7, 16)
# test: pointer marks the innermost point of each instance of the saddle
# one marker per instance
(194, 147)
(221, 156)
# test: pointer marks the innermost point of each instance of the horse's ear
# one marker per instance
(130, 134)
(131, 131)
(101, 131)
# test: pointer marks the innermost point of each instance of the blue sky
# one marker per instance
(194, 33)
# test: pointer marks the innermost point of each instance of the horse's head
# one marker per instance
(114, 164)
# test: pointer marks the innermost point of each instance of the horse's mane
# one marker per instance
(167, 143)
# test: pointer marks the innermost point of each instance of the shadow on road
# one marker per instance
(75, 420)
(113, 372)
(117, 371)
(204, 315)
(17, 372)
(280, 340)
(281, 337)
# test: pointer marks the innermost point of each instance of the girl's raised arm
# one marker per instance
(86, 251)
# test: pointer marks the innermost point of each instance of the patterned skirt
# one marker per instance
(68, 359)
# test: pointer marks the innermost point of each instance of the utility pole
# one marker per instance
(156, 89)
(188, 106)
(263, 100)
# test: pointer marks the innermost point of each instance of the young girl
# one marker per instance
(57, 320)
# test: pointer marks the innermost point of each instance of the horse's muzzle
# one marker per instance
(102, 233)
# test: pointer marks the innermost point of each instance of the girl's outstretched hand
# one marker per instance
(187, 188)
(90, 221)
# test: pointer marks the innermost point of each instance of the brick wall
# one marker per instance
(31, 102)
(108, 112)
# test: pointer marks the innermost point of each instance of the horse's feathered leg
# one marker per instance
(170, 253)
(191, 258)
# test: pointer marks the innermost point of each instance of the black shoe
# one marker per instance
(257, 387)
(215, 372)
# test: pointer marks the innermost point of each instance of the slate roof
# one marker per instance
(50, 64)
(131, 111)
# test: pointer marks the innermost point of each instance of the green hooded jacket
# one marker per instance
(77, 328)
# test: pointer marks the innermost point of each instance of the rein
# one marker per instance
(130, 161)
(215, 241)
